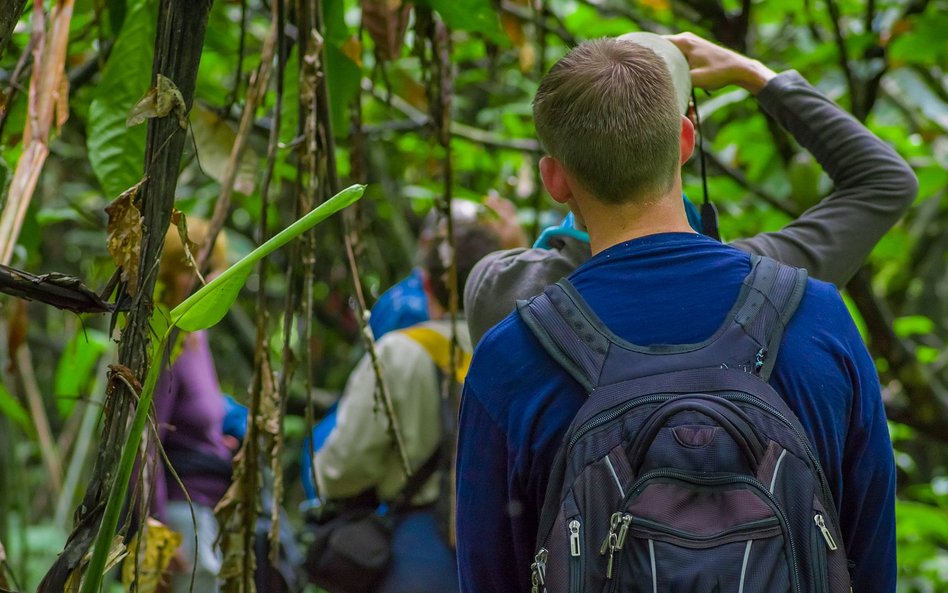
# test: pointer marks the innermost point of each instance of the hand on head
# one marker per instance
(713, 66)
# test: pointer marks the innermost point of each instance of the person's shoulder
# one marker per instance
(502, 354)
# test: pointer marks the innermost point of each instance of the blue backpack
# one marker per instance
(684, 471)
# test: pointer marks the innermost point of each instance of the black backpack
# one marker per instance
(684, 471)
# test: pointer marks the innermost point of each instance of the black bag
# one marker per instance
(352, 551)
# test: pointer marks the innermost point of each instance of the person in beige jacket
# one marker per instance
(359, 456)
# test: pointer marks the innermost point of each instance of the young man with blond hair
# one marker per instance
(608, 118)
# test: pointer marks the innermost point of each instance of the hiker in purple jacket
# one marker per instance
(189, 412)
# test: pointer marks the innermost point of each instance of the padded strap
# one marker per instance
(773, 293)
(572, 339)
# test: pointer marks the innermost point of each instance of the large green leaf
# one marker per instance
(477, 16)
(117, 152)
(343, 77)
(209, 304)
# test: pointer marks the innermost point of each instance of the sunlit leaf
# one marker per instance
(209, 304)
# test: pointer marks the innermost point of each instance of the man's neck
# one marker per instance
(611, 224)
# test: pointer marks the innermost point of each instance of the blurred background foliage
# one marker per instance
(884, 60)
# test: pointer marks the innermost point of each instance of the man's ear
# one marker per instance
(555, 179)
(687, 147)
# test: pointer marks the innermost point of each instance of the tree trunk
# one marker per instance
(178, 45)
(10, 11)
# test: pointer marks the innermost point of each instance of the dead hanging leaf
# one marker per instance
(150, 562)
(116, 553)
(62, 103)
(180, 221)
(159, 101)
(514, 28)
(214, 138)
(125, 235)
(386, 21)
(17, 330)
(352, 48)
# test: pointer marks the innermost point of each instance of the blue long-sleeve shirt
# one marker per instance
(671, 289)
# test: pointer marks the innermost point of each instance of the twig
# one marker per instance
(755, 189)
(255, 94)
(420, 120)
(843, 57)
(34, 398)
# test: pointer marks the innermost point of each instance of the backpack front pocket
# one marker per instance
(702, 534)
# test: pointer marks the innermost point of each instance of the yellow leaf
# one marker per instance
(149, 563)
(125, 235)
(353, 50)
(658, 5)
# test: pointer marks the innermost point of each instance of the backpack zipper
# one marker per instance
(538, 571)
(759, 527)
(617, 411)
(722, 480)
(576, 556)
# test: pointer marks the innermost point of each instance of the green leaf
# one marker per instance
(476, 16)
(209, 304)
(344, 77)
(913, 325)
(117, 152)
(76, 366)
(12, 409)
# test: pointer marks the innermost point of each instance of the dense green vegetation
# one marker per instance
(421, 100)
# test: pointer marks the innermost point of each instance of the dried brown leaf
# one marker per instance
(386, 21)
(125, 235)
(180, 221)
(159, 101)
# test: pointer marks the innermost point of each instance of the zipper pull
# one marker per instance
(623, 531)
(830, 543)
(574, 549)
(613, 525)
(613, 540)
(538, 571)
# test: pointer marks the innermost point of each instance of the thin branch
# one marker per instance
(843, 56)
(420, 120)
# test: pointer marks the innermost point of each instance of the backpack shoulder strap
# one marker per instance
(573, 340)
(772, 292)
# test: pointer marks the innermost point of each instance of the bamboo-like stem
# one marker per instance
(47, 93)
(34, 398)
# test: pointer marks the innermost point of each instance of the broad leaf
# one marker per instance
(117, 152)
(344, 77)
(477, 16)
(209, 304)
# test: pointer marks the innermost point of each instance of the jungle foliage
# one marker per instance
(264, 109)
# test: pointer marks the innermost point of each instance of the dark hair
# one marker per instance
(472, 241)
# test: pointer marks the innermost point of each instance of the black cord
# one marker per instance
(709, 214)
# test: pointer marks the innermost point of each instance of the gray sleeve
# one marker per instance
(874, 186)
(500, 279)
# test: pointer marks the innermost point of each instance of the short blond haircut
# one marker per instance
(607, 111)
